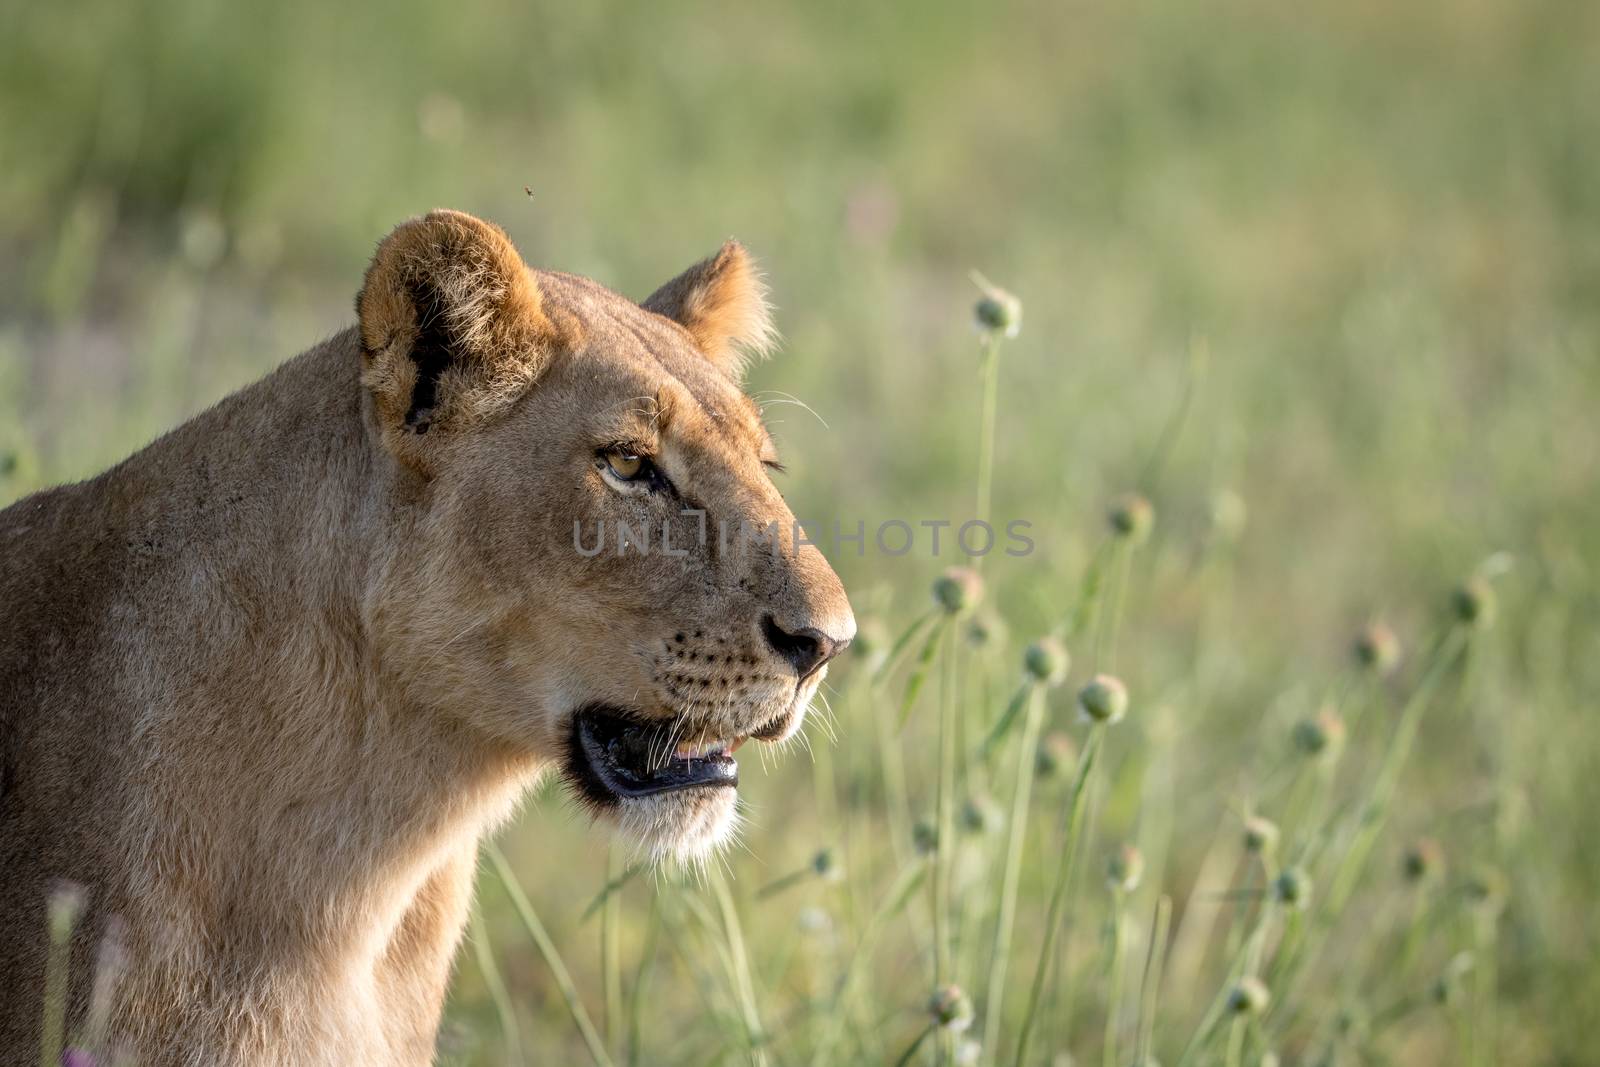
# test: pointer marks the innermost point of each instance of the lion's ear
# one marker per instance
(722, 302)
(452, 329)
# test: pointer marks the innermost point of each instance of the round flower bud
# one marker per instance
(871, 644)
(827, 866)
(1351, 1023)
(1125, 869)
(925, 837)
(1320, 735)
(1103, 699)
(1377, 649)
(1131, 516)
(1260, 835)
(1473, 602)
(1423, 859)
(1486, 888)
(814, 921)
(981, 815)
(1249, 997)
(958, 589)
(1057, 755)
(1292, 888)
(997, 311)
(950, 1008)
(984, 629)
(1446, 988)
(1046, 661)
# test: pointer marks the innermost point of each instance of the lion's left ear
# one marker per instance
(722, 302)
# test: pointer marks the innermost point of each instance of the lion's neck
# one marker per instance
(321, 801)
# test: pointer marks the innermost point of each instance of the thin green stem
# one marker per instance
(552, 958)
(905, 884)
(1104, 622)
(1484, 980)
(1016, 839)
(1150, 986)
(647, 957)
(484, 953)
(1244, 962)
(911, 1049)
(1108, 1051)
(746, 989)
(610, 950)
(1235, 1042)
(1150, 477)
(1058, 894)
(945, 851)
(991, 378)
(1373, 815)
(65, 904)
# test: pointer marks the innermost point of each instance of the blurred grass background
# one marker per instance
(1372, 229)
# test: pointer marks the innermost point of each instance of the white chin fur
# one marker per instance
(680, 827)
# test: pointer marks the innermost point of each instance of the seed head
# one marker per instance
(1292, 888)
(958, 589)
(981, 815)
(998, 312)
(1249, 997)
(1486, 889)
(1104, 699)
(984, 629)
(1377, 649)
(1131, 517)
(1473, 602)
(1057, 755)
(1047, 661)
(827, 866)
(1446, 988)
(871, 643)
(925, 837)
(1125, 869)
(1351, 1023)
(951, 1009)
(1260, 834)
(814, 921)
(1424, 859)
(1322, 734)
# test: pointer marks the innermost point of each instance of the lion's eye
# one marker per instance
(625, 465)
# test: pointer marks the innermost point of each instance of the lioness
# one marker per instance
(265, 684)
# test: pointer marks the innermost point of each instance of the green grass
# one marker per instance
(1318, 281)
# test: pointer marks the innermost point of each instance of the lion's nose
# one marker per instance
(806, 649)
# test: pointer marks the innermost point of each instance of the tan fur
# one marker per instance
(265, 684)
(722, 302)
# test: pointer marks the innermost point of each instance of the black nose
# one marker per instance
(806, 650)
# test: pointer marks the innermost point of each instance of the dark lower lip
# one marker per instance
(614, 755)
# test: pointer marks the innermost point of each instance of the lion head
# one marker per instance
(594, 566)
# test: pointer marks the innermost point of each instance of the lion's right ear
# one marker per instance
(452, 330)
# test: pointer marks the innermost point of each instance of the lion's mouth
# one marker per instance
(616, 755)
